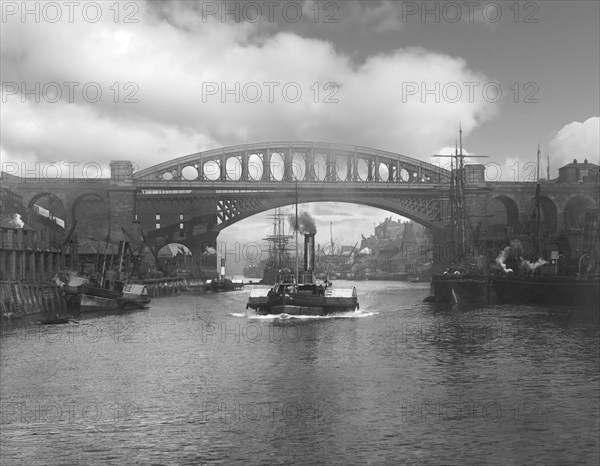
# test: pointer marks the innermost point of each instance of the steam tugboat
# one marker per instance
(299, 294)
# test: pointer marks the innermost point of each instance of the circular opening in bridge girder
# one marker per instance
(384, 172)
(233, 167)
(212, 170)
(362, 169)
(167, 176)
(298, 166)
(255, 167)
(277, 166)
(404, 175)
(189, 173)
(320, 166)
(341, 168)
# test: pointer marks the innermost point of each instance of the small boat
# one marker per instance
(222, 283)
(84, 294)
(105, 288)
(131, 296)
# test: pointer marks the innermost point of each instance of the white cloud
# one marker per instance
(171, 52)
(576, 140)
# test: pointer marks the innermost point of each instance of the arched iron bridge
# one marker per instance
(291, 161)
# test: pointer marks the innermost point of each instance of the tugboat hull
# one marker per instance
(331, 302)
(296, 310)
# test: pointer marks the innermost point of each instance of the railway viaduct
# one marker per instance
(189, 200)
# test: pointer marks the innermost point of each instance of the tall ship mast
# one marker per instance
(463, 280)
(278, 248)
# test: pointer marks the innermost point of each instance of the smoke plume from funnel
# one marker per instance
(16, 221)
(501, 259)
(531, 266)
(510, 258)
(306, 223)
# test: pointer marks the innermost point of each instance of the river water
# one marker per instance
(197, 379)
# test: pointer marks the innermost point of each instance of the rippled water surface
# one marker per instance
(197, 379)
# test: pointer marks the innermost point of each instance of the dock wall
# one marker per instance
(27, 255)
(21, 299)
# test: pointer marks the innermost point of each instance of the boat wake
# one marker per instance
(342, 315)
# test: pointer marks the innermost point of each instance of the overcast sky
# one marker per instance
(161, 68)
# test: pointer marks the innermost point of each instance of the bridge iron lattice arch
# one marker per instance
(290, 161)
(425, 209)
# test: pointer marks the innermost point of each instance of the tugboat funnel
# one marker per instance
(309, 252)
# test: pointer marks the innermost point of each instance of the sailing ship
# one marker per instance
(279, 257)
(547, 282)
(465, 280)
(298, 293)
